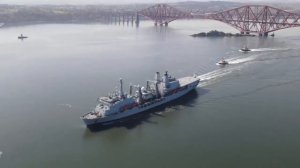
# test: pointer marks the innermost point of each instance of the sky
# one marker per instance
(30, 2)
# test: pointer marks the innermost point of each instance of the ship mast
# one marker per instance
(166, 79)
(157, 77)
(130, 89)
(121, 89)
(140, 99)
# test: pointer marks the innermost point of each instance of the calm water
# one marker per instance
(243, 115)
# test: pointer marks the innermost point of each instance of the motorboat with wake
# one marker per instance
(245, 49)
(223, 62)
(119, 105)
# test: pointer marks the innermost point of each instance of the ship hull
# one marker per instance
(140, 109)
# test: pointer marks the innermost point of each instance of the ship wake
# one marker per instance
(235, 64)
(212, 77)
(239, 62)
(269, 49)
(242, 59)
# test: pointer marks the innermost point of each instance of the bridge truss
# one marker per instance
(247, 19)
(258, 19)
(163, 14)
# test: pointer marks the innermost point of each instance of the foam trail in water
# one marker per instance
(269, 49)
(66, 105)
(236, 64)
(212, 79)
(240, 60)
(212, 76)
(209, 77)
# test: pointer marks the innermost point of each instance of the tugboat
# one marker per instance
(21, 37)
(223, 62)
(245, 49)
(119, 105)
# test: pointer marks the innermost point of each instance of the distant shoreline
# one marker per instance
(20, 24)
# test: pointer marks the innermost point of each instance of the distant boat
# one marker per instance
(223, 62)
(245, 49)
(272, 35)
(21, 37)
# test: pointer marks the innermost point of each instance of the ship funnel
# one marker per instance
(121, 88)
(157, 77)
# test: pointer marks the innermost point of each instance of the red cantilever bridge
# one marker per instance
(247, 19)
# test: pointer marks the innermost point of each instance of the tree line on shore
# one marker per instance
(215, 33)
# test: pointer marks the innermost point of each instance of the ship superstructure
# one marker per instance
(119, 105)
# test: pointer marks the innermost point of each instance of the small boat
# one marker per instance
(22, 37)
(223, 62)
(245, 49)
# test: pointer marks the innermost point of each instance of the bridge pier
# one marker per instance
(161, 23)
(247, 32)
(137, 20)
(265, 34)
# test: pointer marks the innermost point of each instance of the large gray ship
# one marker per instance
(119, 105)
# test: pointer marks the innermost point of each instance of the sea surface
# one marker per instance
(243, 115)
